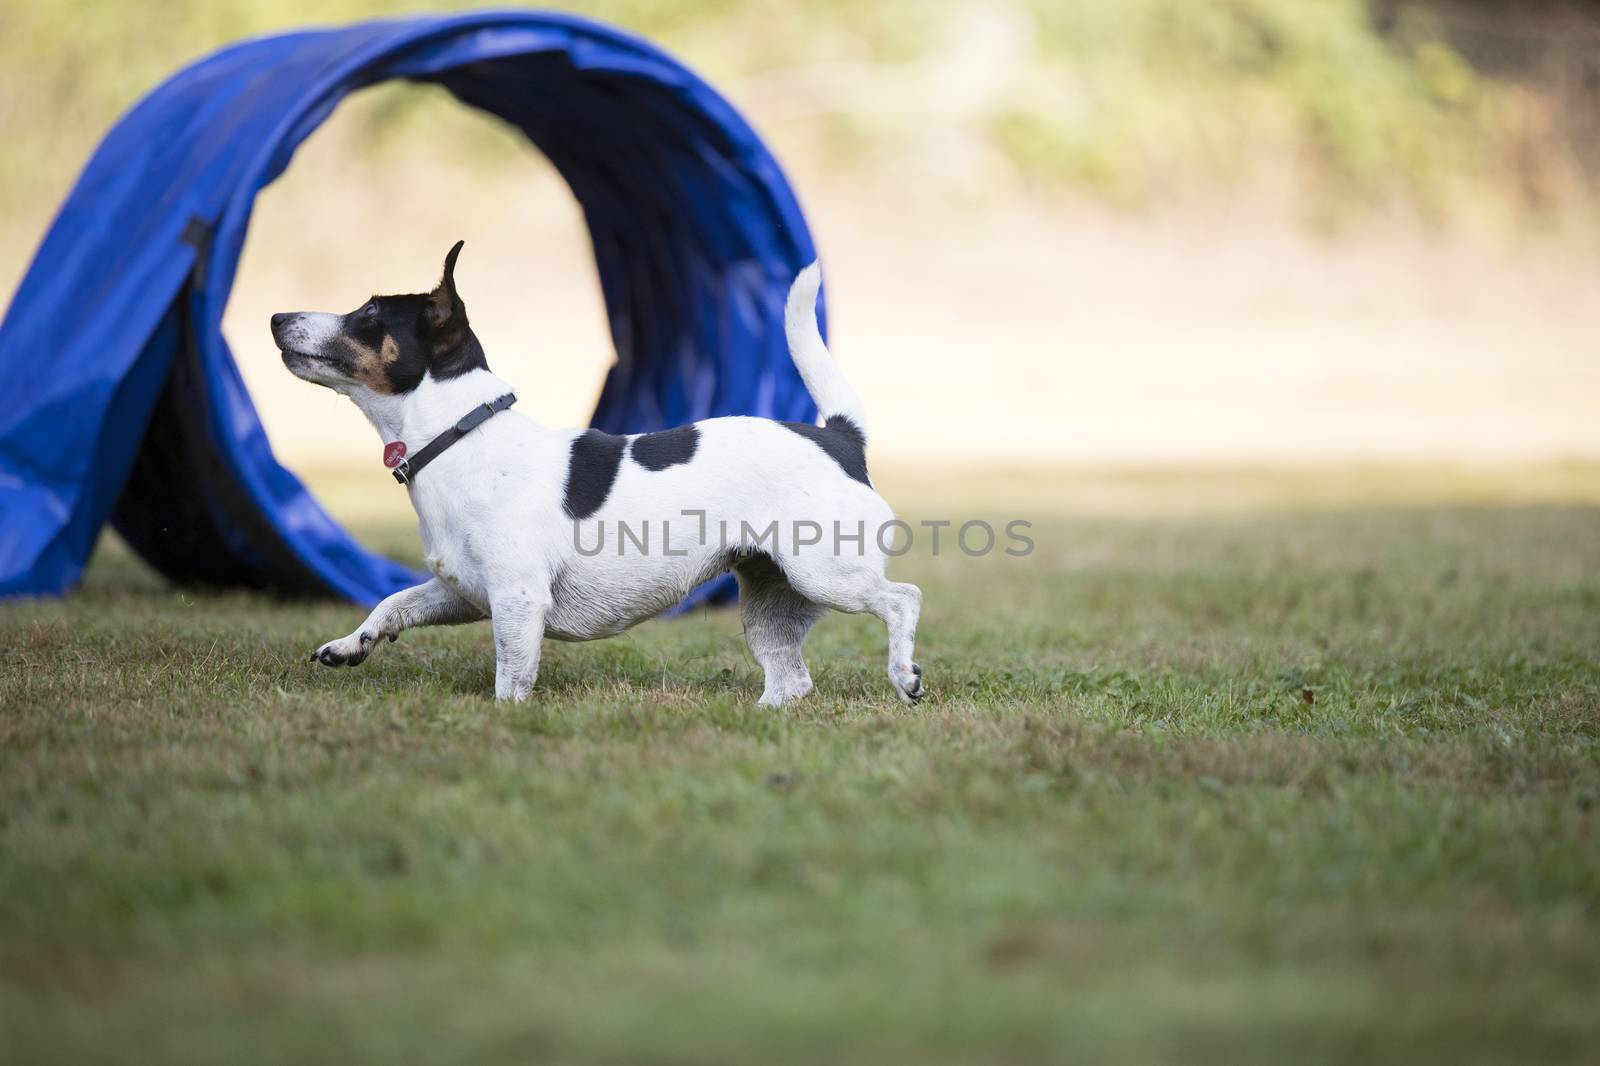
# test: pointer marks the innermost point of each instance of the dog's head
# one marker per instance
(388, 345)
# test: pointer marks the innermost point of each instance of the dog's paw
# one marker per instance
(786, 692)
(909, 686)
(346, 651)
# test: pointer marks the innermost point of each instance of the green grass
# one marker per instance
(1264, 783)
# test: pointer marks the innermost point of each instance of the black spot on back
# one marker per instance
(592, 471)
(669, 447)
(844, 442)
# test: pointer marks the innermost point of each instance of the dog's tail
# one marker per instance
(833, 395)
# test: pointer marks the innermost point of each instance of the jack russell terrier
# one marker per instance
(500, 499)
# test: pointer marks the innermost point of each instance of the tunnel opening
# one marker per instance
(694, 230)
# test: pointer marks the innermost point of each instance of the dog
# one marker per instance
(511, 512)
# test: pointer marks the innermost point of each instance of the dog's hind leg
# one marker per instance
(432, 603)
(898, 605)
(776, 620)
(860, 588)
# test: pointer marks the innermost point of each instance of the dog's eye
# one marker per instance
(369, 309)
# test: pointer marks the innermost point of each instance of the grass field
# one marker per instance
(1233, 768)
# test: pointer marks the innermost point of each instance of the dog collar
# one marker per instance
(405, 470)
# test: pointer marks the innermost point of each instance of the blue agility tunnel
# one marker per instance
(123, 402)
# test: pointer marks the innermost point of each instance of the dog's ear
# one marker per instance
(444, 316)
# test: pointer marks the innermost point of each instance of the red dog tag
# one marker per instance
(393, 453)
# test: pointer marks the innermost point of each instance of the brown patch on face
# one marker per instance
(371, 364)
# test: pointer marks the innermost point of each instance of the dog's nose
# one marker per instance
(279, 319)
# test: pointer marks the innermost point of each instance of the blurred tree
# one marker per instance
(1456, 112)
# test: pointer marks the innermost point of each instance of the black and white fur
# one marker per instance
(497, 510)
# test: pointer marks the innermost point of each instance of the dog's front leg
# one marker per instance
(432, 603)
(518, 633)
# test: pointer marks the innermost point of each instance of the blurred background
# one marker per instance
(1157, 233)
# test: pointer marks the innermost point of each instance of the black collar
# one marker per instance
(407, 469)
